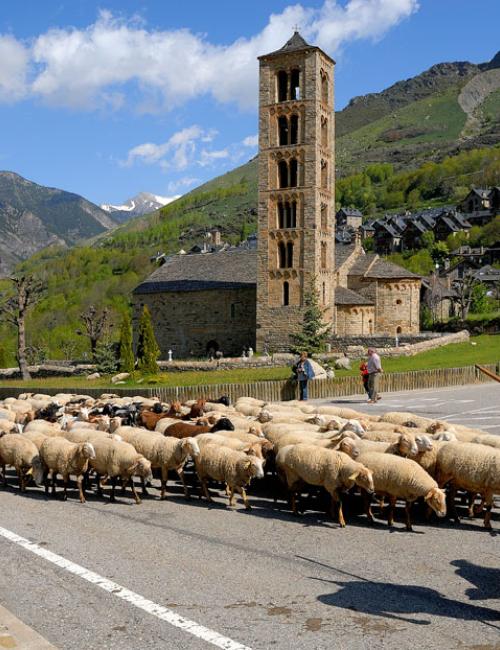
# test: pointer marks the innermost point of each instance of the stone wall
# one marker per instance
(187, 323)
(355, 320)
(398, 307)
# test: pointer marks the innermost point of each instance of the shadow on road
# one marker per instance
(393, 601)
(485, 579)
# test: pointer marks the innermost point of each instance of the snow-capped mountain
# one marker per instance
(142, 203)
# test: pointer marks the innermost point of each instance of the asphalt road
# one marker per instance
(262, 579)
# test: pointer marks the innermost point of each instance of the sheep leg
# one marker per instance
(241, 490)
(337, 500)
(46, 481)
(205, 489)
(145, 493)
(164, 481)
(488, 500)
(112, 498)
(471, 500)
(230, 494)
(65, 483)
(81, 491)
(390, 511)
(53, 478)
(451, 503)
(408, 515)
(4, 476)
(22, 479)
(367, 498)
(293, 499)
(132, 485)
(180, 474)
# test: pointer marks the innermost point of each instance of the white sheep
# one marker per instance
(234, 468)
(165, 453)
(22, 454)
(314, 465)
(60, 456)
(115, 458)
(401, 478)
(471, 467)
(489, 440)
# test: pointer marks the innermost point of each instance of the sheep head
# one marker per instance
(363, 477)
(37, 470)
(435, 427)
(190, 447)
(424, 442)
(436, 498)
(254, 467)
(265, 416)
(224, 424)
(407, 445)
(142, 468)
(349, 447)
(87, 450)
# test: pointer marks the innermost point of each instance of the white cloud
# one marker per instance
(181, 146)
(14, 58)
(251, 141)
(94, 67)
(209, 157)
(182, 184)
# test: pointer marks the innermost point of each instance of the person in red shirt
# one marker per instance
(364, 375)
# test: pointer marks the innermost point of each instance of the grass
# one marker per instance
(486, 350)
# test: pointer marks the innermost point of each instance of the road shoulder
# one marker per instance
(18, 636)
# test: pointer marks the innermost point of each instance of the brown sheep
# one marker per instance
(186, 430)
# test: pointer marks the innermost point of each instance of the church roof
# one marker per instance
(235, 268)
(344, 296)
(294, 44)
(373, 267)
(342, 253)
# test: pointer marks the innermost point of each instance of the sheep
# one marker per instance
(313, 465)
(117, 458)
(149, 419)
(163, 423)
(63, 457)
(489, 440)
(22, 454)
(7, 426)
(471, 467)
(36, 437)
(185, 430)
(401, 417)
(401, 478)
(49, 428)
(165, 453)
(235, 468)
(356, 426)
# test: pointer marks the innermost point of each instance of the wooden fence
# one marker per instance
(286, 390)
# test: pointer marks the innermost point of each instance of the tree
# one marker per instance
(464, 291)
(105, 358)
(314, 333)
(3, 357)
(28, 290)
(440, 253)
(480, 303)
(95, 324)
(147, 347)
(127, 360)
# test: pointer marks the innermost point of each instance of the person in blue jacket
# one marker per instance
(304, 372)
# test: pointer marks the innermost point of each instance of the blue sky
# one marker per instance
(110, 98)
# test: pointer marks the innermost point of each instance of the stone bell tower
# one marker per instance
(296, 209)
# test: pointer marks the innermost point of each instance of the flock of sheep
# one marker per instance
(395, 456)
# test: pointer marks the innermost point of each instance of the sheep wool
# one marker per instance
(22, 454)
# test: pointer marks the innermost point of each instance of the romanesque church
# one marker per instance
(225, 298)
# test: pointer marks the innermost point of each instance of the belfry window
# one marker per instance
(283, 173)
(293, 172)
(324, 132)
(282, 86)
(289, 255)
(282, 130)
(294, 129)
(324, 174)
(281, 255)
(324, 88)
(286, 294)
(324, 216)
(323, 254)
(295, 84)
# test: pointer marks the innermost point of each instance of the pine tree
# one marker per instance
(147, 347)
(314, 333)
(105, 358)
(127, 360)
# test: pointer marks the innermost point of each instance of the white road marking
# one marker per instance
(473, 418)
(163, 613)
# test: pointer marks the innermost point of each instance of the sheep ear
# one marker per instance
(429, 494)
(354, 475)
(248, 464)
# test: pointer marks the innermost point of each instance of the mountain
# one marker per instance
(142, 203)
(448, 108)
(33, 216)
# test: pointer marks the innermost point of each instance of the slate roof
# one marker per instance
(350, 212)
(385, 270)
(235, 268)
(294, 44)
(345, 296)
(342, 253)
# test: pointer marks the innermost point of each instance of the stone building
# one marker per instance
(225, 298)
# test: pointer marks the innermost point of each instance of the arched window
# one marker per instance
(289, 255)
(293, 172)
(324, 174)
(399, 330)
(294, 129)
(286, 294)
(324, 216)
(324, 88)
(282, 173)
(281, 255)
(399, 301)
(324, 132)
(324, 293)
(323, 254)
(281, 214)
(282, 130)
(293, 214)
(295, 84)
(282, 86)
